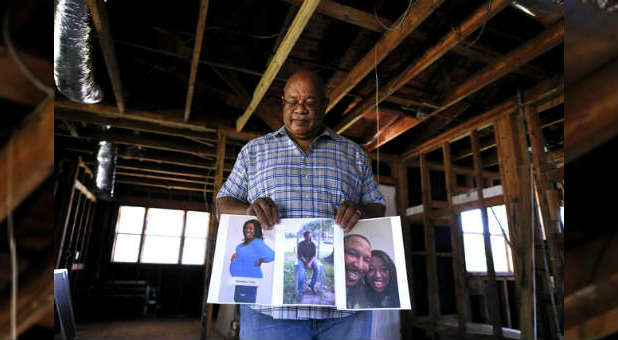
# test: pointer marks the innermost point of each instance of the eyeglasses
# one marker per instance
(308, 103)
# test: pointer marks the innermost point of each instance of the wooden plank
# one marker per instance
(15, 86)
(347, 14)
(521, 55)
(79, 186)
(538, 92)
(163, 170)
(164, 186)
(101, 23)
(467, 27)
(492, 289)
(461, 296)
(167, 178)
(27, 167)
(418, 12)
(514, 170)
(390, 121)
(197, 49)
(179, 146)
(551, 227)
(296, 28)
(430, 243)
(392, 131)
(134, 115)
(173, 160)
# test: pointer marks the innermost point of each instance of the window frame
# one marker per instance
(509, 252)
(143, 236)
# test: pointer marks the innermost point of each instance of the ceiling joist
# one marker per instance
(197, 49)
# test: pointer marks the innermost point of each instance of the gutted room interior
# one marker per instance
(111, 163)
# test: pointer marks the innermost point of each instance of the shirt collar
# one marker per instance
(327, 132)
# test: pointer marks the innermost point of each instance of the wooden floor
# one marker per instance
(159, 328)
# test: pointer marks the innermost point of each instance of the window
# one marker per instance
(474, 245)
(154, 235)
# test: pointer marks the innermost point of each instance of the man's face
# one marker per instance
(303, 121)
(308, 237)
(357, 259)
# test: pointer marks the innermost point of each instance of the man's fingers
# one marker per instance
(351, 222)
(274, 213)
(266, 211)
(261, 216)
(341, 212)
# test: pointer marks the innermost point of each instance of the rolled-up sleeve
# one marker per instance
(369, 187)
(236, 185)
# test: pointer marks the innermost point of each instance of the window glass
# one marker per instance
(130, 220)
(160, 249)
(498, 252)
(471, 221)
(126, 248)
(194, 251)
(474, 250)
(164, 222)
(197, 224)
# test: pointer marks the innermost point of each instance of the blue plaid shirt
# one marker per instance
(302, 184)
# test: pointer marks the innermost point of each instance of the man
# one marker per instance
(357, 250)
(306, 260)
(302, 170)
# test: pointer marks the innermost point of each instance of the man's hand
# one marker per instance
(348, 215)
(233, 257)
(266, 211)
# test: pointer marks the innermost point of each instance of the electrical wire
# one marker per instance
(375, 69)
(401, 18)
(13, 53)
(458, 29)
(11, 238)
(506, 238)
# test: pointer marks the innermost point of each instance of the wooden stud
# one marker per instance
(167, 178)
(459, 277)
(474, 21)
(418, 12)
(296, 28)
(101, 23)
(492, 291)
(430, 243)
(164, 186)
(163, 170)
(197, 49)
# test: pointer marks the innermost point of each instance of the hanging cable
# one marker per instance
(375, 69)
(401, 18)
(506, 238)
(458, 29)
(20, 64)
(11, 239)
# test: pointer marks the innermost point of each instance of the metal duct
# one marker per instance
(73, 72)
(106, 170)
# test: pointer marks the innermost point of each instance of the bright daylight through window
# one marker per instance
(474, 246)
(153, 235)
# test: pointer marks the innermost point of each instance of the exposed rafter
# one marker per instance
(296, 28)
(197, 49)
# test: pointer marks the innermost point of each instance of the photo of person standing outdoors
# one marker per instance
(247, 260)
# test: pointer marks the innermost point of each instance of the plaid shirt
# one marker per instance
(302, 184)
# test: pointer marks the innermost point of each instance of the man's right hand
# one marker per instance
(266, 212)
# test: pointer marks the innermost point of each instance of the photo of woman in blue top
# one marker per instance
(248, 258)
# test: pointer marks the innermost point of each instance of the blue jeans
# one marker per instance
(256, 326)
(300, 271)
(245, 293)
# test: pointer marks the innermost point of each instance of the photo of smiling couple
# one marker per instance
(310, 262)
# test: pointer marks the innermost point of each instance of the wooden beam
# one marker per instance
(166, 178)
(540, 91)
(27, 159)
(163, 170)
(430, 244)
(387, 123)
(535, 47)
(419, 11)
(492, 289)
(296, 28)
(391, 132)
(434, 53)
(347, 14)
(461, 295)
(197, 49)
(514, 170)
(124, 122)
(101, 23)
(591, 112)
(149, 142)
(156, 184)
(590, 301)
(173, 159)
(134, 115)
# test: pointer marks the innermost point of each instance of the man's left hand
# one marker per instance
(348, 215)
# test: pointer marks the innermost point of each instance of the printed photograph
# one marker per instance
(308, 277)
(246, 264)
(375, 275)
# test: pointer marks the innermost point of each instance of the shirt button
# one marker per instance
(307, 196)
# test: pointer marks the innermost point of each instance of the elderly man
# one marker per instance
(302, 170)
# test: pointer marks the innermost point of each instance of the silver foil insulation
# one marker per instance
(73, 71)
(105, 172)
